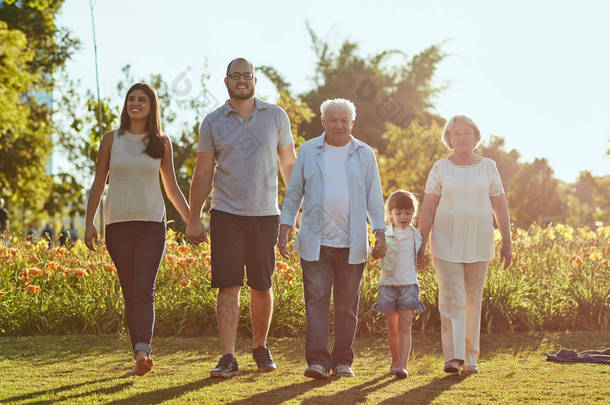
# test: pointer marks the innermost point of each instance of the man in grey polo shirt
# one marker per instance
(246, 138)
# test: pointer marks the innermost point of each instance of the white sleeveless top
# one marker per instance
(134, 192)
(462, 231)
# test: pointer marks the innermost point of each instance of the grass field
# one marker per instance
(91, 369)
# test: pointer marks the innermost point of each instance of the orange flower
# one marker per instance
(208, 260)
(80, 272)
(577, 260)
(184, 248)
(33, 271)
(183, 263)
(32, 259)
(523, 267)
(32, 288)
(184, 282)
(75, 263)
(109, 267)
(60, 251)
(53, 266)
(25, 277)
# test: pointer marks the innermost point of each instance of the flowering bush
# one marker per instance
(559, 279)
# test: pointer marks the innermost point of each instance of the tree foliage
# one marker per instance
(33, 49)
(383, 92)
(411, 152)
(534, 195)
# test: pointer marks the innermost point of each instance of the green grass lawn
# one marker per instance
(91, 369)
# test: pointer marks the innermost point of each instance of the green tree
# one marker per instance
(411, 152)
(396, 94)
(601, 200)
(22, 153)
(507, 162)
(65, 198)
(534, 195)
(33, 49)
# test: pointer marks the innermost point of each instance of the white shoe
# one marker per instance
(344, 370)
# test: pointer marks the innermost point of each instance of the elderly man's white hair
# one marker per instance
(339, 103)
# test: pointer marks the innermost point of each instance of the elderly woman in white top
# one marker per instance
(462, 193)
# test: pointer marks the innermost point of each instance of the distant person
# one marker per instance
(246, 138)
(398, 287)
(463, 194)
(131, 158)
(64, 236)
(30, 234)
(4, 223)
(336, 179)
(68, 236)
(48, 234)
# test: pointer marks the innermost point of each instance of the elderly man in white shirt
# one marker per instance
(337, 180)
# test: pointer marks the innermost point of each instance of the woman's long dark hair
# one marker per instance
(154, 141)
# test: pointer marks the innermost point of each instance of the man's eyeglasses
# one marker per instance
(237, 76)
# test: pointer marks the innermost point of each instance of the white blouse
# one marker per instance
(462, 231)
(134, 192)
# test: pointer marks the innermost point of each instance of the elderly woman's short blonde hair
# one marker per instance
(451, 123)
(339, 103)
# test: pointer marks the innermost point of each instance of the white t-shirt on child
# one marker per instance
(405, 268)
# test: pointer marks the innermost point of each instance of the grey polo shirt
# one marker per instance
(245, 178)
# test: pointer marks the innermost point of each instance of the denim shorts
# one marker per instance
(393, 298)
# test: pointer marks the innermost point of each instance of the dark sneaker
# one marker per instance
(227, 367)
(316, 371)
(263, 359)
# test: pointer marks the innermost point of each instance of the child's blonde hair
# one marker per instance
(400, 199)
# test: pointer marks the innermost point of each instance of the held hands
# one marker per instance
(196, 232)
(91, 237)
(282, 240)
(380, 248)
(422, 258)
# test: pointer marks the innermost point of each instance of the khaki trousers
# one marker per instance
(460, 289)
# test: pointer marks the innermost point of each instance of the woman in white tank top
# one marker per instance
(131, 159)
(462, 195)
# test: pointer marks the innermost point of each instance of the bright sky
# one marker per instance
(533, 72)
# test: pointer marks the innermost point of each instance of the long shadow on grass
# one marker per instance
(165, 394)
(281, 394)
(32, 395)
(100, 391)
(352, 395)
(426, 393)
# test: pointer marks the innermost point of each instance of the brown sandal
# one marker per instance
(143, 366)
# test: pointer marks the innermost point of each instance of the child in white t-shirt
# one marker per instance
(398, 288)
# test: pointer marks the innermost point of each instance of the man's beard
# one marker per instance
(240, 96)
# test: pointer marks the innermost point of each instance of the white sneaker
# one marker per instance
(344, 370)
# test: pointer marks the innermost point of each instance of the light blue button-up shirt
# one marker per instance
(307, 185)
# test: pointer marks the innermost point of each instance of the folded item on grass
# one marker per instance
(588, 356)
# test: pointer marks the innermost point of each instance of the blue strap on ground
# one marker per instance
(588, 356)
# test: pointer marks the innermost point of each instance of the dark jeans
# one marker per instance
(136, 248)
(331, 271)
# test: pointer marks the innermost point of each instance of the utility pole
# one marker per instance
(99, 107)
